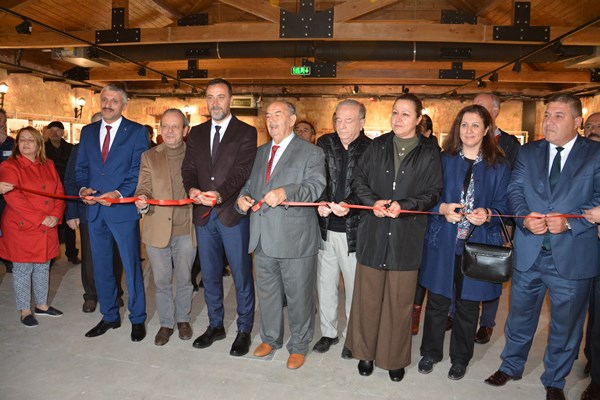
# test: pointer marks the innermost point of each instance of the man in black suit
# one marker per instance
(218, 160)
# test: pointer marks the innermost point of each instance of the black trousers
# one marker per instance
(462, 338)
(87, 266)
(69, 238)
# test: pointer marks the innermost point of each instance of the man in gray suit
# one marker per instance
(285, 240)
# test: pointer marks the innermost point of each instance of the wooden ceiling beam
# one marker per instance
(356, 8)
(261, 8)
(266, 31)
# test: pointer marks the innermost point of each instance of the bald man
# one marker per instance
(591, 128)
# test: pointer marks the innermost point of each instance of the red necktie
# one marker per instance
(106, 144)
(270, 163)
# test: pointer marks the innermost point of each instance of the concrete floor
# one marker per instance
(56, 361)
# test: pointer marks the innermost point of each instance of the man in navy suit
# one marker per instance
(218, 160)
(107, 167)
(555, 176)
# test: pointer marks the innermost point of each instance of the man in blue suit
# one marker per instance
(107, 167)
(555, 176)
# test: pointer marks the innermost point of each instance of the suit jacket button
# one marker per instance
(103, 174)
(212, 178)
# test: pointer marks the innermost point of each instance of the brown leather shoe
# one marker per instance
(483, 335)
(553, 393)
(499, 378)
(89, 306)
(295, 361)
(185, 330)
(263, 350)
(163, 335)
(416, 319)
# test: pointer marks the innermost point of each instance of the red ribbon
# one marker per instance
(258, 205)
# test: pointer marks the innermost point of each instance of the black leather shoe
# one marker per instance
(241, 345)
(426, 364)
(483, 335)
(365, 368)
(138, 332)
(553, 393)
(592, 392)
(323, 345)
(346, 353)
(396, 375)
(102, 327)
(500, 378)
(457, 372)
(209, 337)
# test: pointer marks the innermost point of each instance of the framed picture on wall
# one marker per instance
(13, 126)
(75, 133)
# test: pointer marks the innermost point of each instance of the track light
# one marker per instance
(517, 66)
(494, 77)
(355, 89)
(558, 49)
(284, 90)
(164, 80)
(481, 84)
(24, 28)
(405, 90)
(142, 72)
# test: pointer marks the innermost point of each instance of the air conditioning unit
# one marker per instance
(243, 102)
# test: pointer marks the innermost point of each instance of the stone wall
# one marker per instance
(32, 100)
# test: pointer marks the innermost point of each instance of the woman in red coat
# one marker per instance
(29, 223)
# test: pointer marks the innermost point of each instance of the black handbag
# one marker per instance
(487, 262)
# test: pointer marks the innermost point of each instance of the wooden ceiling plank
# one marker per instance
(355, 8)
(261, 8)
(164, 8)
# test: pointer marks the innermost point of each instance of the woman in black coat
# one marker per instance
(399, 171)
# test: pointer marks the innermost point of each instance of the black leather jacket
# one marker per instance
(332, 146)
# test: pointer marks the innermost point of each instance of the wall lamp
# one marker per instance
(24, 28)
(187, 110)
(3, 91)
(79, 108)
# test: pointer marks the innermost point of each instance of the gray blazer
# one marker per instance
(287, 232)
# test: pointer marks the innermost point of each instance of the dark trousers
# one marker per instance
(595, 334)
(87, 266)
(69, 238)
(462, 338)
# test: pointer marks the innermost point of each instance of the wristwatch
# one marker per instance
(220, 200)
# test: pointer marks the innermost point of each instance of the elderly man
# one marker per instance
(591, 128)
(338, 226)
(285, 240)
(557, 175)
(217, 163)
(168, 231)
(511, 146)
(107, 166)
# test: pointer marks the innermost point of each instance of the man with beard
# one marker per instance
(218, 159)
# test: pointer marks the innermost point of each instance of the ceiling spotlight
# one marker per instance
(284, 90)
(405, 90)
(494, 77)
(558, 49)
(355, 89)
(194, 90)
(24, 28)
(517, 66)
(164, 80)
(481, 84)
(142, 72)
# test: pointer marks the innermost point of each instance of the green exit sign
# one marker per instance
(300, 70)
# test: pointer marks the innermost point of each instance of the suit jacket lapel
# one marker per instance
(574, 162)
(120, 138)
(543, 153)
(285, 158)
(96, 142)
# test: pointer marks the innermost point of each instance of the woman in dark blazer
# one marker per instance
(29, 223)
(399, 171)
(476, 176)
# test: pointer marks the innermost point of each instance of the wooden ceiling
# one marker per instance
(435, 48)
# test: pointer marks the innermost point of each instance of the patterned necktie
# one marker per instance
(270, 163)
(216, 141)
(106, 143)
(555, 170)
